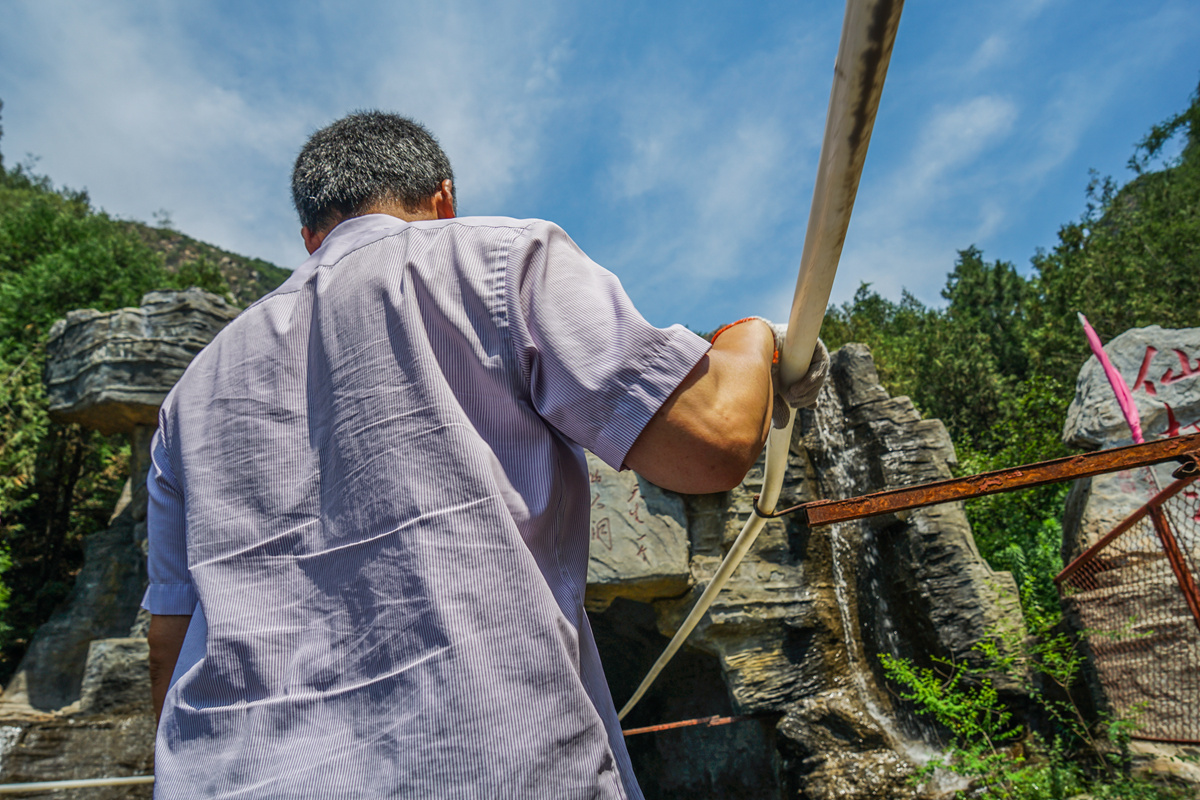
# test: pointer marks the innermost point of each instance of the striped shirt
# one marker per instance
(370, 492)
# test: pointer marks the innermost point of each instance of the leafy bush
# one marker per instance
(1004, 759)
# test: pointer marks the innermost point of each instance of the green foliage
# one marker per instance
(892, 330)
(1131, 260)
(959, 364)
(1007, 761)
(999, 361)
(202, 274)
(58, 483)
(1020, 531)
(968, 707)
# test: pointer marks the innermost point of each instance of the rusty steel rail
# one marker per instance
(1125, 524)
(1184, 449)
(707, 722)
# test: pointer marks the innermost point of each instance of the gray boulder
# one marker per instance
(117, 677)
(639, 544)
(1161, 367)
(110, 371)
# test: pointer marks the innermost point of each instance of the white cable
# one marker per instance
(82, 783)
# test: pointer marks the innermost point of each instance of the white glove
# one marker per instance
(802, 393)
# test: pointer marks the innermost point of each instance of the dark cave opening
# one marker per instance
(737, 760)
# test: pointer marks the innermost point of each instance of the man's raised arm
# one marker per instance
(712, 428)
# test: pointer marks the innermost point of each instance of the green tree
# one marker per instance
(58, 483)
(1131, 260)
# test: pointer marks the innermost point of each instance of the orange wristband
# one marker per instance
(723, 328)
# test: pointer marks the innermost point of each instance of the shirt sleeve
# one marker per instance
(596, 369)
(170, 590)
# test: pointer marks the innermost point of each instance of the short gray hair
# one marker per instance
(364, 159)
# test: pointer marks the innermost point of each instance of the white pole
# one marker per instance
(868, 32)
(82, 783)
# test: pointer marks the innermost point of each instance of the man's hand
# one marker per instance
(801, 393)
(165, 639)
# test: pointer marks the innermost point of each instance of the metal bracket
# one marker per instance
(1189, 469)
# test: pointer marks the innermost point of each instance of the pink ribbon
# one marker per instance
(1124, 398)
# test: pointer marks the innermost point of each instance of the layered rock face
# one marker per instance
(790, 648)
(793, 642)
(111, 371)
(79, 704)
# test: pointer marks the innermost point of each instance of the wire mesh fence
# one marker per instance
(1135, 595)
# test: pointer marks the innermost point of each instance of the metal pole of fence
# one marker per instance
(1187, 584)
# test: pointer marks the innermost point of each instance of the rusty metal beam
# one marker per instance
(824, 512)
(1125, 524)
(707, 722)
(1187, 584)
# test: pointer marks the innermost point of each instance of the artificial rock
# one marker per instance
(1136, 596)
(1162, 368)
(795, 637)
(110, 371)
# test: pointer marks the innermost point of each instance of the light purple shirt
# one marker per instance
(371, 493)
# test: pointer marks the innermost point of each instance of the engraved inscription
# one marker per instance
(1145, 382)
(602, 532)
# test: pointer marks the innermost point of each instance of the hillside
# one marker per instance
(248, 278)
(58, 483)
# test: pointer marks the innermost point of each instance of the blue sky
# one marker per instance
(676, 142)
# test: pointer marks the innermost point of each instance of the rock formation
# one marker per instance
(78, 705)
(1162, 369)
(794, 639)
(111, 371)
(1148, 666)
(791, 647)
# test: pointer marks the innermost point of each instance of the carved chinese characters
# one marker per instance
(1161, 368)
(639, 544)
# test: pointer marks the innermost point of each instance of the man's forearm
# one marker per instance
(166, 635)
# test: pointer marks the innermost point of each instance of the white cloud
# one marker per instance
(118, 107)
(992, 51)
(955, 137)
(137, 107)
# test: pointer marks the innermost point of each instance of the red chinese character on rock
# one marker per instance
(1186, 370)
(1140, 382)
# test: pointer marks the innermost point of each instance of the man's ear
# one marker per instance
(312, 240)
(443, 200)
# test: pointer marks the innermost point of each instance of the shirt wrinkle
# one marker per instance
(372, 486)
